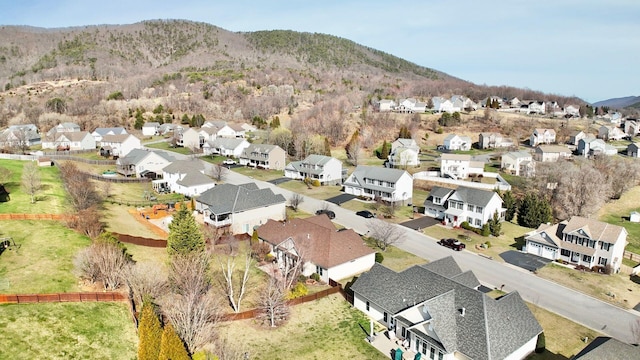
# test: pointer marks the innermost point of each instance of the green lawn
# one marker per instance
(134, 192)
(317, 192)
(167, 146)
(259, 174)
(617, 213)
(399, 260)
(67, 331)
(44, 262)
(50, 200)
(328, 328)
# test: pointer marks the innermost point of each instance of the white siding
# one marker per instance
(524, 350)
(351, 268)
(256, 217)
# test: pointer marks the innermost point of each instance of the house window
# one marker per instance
(479, 209)
(319, 270)
(602, 261)
(432, 353)
(425, 347)
(367, 306)
(385, 317)
(470, 207)
(580, 241)
(565, 252)
(478, 222)
(437, 200)
(592, 244)
(605, 246)
(460, 206)
(586, 258)
(469, 220)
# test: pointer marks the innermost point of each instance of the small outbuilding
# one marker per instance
(634, 217)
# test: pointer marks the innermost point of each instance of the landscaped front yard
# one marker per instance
(44, 261)
(49, 200)
(67, 331)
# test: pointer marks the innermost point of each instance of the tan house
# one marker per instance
(263, 156)
(550, 153)
(330, 253)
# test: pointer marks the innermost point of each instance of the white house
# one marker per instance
(384, 105)
(207, 134)
(591, 146)
(440, 313)
(459, 166)
(24, 135)
(550, 153)
(390, 185)
(150, 128)
(63, 127)
(79, 140)
(187, 177)
(119, 145)
(536, 107)
(631, 128)
(579, 241)
(264, 156)
(404, 152)
(472, 205)
(575, 137)
(327, 252)
(100, 132)
(455, 142)
(441, 104)
(542, 136)
(240, 208)
(143, 163)
(436, 201)
(492, 140)
(189, 138)
(225, 147)
(572, 110)
(326, 169)
(519, 163)
(610, 133)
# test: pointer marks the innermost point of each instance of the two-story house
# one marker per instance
(63, 127)
(441, 105)
(325, 251)
(472, 205)
(572, 111)
(579, 241)
(23, 135)
(542, 136)
(189, 138)
(143, 163)
(326, 169)
(455, 142)
(99, 133)
(240, 208)
(263, 156)
(610, 133)
(230, 147)
(519, 163)
(593, 147)
(440, 313)
(118, 145)
(390, 185)
(492, 140)
(631, 127)
(576, 136)
(384, 105)
(459, 166)
(77, 140)
(150, 128)
(436, 202)
(551, 153)
(187, 177)
(404, 152)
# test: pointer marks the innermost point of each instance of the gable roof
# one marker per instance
(74, 136)
(116, 138)
(542, 131)
(378, 173)
(518, 154)
(227, 143)
(606, 348)
(193, 178)
(136, 155)
(106, 131)
(595, 229)
(151, 124)
(553, 148)
(259, 148)
(441, 192)
(229, 198)
(184, 166)
(473, 196)
(489, 329)
(318, 240)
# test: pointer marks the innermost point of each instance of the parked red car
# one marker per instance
(452, 244)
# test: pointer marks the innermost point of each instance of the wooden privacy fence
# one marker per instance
(136, 240)
(61, 297)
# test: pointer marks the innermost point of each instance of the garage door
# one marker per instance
(549, 252)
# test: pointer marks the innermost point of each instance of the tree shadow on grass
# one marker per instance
(519, 243)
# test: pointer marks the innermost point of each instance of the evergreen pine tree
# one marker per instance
(185, 119)
(510, 204)
(384, 152)
(494, 224)
(488, 104)
(275, 123)
(150, 332)
(184, 233)
(171, 347)
(254, 237)
(534, 211)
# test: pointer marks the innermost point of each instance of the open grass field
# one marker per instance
(91, 168)
(317, 192)
(50, 200)
(119, 219)
(324, 329)
(132, 192)
(166, 146)
(505, 242)
(259, 174)
(627, 292)
(617, 213)
(67, 331)
(44, 262)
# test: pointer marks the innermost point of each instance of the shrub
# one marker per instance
(487, 244)
(269, 258)
(439, 130)
(540, 344)
(298, 291)
(485, 230)
(465, 225)
(379, 257)
(315, 182)
(315, 276)
(302, 278)
(261, 251)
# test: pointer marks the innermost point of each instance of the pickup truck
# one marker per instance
(452, 244)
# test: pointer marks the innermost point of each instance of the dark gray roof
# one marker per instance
(606, 348)
(193, 178)
(377, 173)
(473, 196)
(441, 192)
(183, 166)
(229, 198)
(136, 155)
(489, 329)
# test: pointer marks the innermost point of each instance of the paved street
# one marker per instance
(581, 308)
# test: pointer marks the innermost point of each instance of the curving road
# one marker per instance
(576, 306)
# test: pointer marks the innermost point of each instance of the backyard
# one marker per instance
(49, 200)
(89, 330)
(167, 146)
(617, 213)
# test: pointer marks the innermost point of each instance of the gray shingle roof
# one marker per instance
(489, 329)
(136, 155)
(114, 130)
(606, 348)
(229, 198)
(377, 173)
(253, 151)
(183, 166)
(194, 178)
(473, 196)
(438, 191)
(227, 143)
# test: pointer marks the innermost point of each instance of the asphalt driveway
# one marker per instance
(526, 261)
(420, 223)
(341, 199)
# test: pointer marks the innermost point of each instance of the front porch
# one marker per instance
(388, 346)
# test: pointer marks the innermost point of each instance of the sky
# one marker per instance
(584, 48)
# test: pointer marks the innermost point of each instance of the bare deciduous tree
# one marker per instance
(31, 183)
(5, 175)
(295, 200)
(82, 192)
(102, 261)
(146, 279)
(354, 153)
(235, 289)
(218, 172)
(272, 303)
(383, 234)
